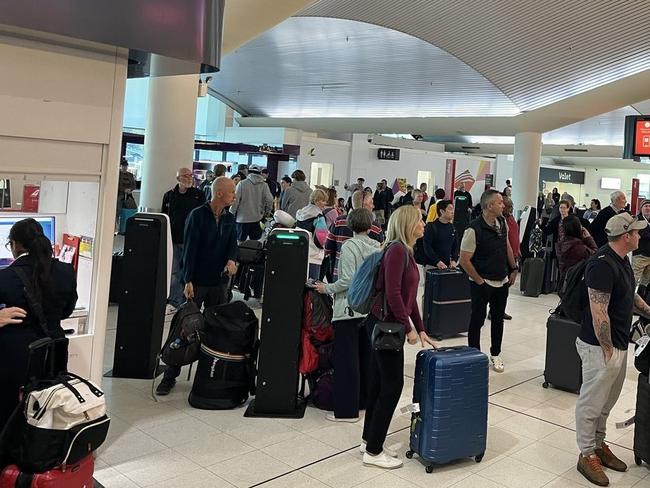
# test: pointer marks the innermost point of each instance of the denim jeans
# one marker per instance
(176, 297)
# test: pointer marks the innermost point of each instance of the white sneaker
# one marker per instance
(170, 310)
(497, 364)
(330, 416)
(382, 460)
(387, 450)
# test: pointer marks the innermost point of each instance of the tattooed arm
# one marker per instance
(641, 307)
(598, 303)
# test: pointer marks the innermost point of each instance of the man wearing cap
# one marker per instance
(641, 256)
(603, 342)
(253, 201)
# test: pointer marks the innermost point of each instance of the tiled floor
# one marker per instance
(531, 441)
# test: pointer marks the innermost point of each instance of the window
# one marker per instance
(321, 174)
(644, 185)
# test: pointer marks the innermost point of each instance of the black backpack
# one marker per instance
(184, 339)
(573, 293)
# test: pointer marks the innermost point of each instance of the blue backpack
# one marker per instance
(362, 293)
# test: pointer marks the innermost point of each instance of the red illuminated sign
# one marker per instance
(642, 138)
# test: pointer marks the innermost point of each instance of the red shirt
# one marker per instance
(401, 288)
(513, 235)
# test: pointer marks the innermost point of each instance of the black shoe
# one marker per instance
(165, 386)
(505, 316)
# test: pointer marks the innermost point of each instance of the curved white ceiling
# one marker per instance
(323, 67)
(536, 52)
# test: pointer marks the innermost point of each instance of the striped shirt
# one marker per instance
(339, 232)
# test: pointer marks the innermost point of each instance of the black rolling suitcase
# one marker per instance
(532, 277)
(642, 422)
(447, 303)
(563, 367)
(551, 271)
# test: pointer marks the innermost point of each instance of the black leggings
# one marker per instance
(351, 365)
(384, 390)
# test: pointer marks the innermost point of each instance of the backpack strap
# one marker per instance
(34, 304)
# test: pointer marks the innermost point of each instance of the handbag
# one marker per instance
(388, 336)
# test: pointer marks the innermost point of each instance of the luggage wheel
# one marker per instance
(429, 469)
(545, 384)
(409, 454)
(638, 460)
(479, 458)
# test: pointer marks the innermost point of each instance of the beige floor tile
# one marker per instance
(502, 441)
(342, 436)
(563, 439)
(387, 480)
(128, 447)
(528, 427)
(156, 468)
(197, 479)
(517, 474)
(295, 480)
(152, 416)
(546, 457)
(211, 450)
(185, 429)
(476, 481)
(301, 451)
(112, 478)
(512, 401)
(264, 432)
(617, 480)
(249, 469)
(342, 471)
(442, 476)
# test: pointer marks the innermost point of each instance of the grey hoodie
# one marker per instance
(353, 252)
(253, 200)
(296, 197)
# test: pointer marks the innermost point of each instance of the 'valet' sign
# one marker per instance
(561, 176)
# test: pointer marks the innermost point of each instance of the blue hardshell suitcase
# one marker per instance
(451, 390)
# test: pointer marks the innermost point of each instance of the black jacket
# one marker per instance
(208, 246)
(439, 243)
(491, 255)
(597, 227)
(178, 206)
(644, 242)
(58, 306)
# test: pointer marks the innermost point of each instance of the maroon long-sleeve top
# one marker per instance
(400, 283)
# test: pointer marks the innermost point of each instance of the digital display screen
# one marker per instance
(7, 222)
(642, 138)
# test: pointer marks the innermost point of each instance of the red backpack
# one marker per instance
(316, 330)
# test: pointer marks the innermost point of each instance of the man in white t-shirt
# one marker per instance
(486, 256)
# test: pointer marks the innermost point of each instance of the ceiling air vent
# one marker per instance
(471, 147)
(568, 149)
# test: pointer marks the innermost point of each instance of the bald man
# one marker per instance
(209, 256)
(177, 204)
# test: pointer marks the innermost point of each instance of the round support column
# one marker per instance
(169, 135)
(527, 159)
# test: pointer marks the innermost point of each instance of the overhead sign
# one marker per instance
(388, 153)
(562, 175)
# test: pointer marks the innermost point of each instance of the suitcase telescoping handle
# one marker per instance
(450, 348)
(52, 346)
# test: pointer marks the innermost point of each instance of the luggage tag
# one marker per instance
(412, 408)
(627, 423)
(642, 343)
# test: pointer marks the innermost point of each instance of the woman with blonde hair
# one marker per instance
(311, 218)
(398, 281)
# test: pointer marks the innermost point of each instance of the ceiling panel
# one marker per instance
(535, 52)
(319, 67)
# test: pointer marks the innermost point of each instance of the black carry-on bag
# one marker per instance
(447, 304)
(532, 277)
(642, 422)
(563, 367)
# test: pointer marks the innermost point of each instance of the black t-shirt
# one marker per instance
(614, 276)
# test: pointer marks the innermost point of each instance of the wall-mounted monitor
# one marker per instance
(7, 222)
(610, 183)
(637, 137)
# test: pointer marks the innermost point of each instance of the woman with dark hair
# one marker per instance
(574, 245)
(594, 208)
(52, 285)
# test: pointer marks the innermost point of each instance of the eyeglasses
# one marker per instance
(8, 245)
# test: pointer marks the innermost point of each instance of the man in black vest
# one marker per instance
(486, 256)
(597, 227)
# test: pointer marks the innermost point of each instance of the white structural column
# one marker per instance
(169, 135)
(528, 155)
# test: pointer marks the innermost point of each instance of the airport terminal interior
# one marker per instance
(106, 111)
